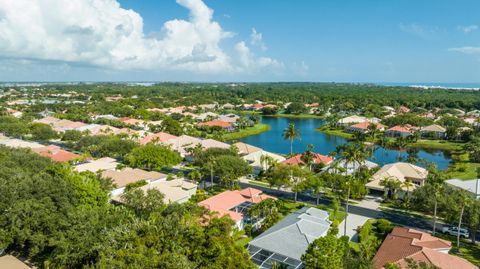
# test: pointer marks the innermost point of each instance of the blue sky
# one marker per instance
(268, 40)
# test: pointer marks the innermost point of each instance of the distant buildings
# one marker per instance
(317, 159)
(400, 131)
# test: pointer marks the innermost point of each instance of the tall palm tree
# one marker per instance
(401, 143)
(372, 130)
(352, 153)
(291, 133)
(465, 202)
(383, 142)
(309, 157)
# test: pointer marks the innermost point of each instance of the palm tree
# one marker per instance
(211, 164)
(290, 133)
(308, 156)
(383, 142)
(372, 130)
(401, 143)
(465, 202)
(391, 185)
(352, 153)
(407, 185)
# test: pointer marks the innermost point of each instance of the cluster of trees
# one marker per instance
(452, 204)
(222, 163)
(59, 218)
(23, 128)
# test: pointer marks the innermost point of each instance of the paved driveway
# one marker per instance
(353, 222)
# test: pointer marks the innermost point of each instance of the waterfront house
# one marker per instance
(363, 127)
(317, 159)
(286, 242)
(399, 171)
(434, 131)
(404, 244)
(245, 149)
(400, 131)
(226, 126)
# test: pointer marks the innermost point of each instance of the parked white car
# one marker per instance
(454, 231)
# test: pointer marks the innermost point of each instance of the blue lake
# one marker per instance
(324, 143)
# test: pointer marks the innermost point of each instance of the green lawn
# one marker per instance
(259, 183)
(256, 129)
(467, 251)
(438, 144)
(463, 170)
(333, 131)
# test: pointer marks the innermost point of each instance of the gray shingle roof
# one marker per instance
(292, 235)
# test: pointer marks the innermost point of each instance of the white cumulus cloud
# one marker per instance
(249, 62)
(467, 50)
(256, 39)
(102, 33)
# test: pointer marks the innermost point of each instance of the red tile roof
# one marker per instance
(223, 202)
(159, 137)
(401, 129)
(364, 125)
(55, 153)
(318, 158)
(217, 123)
(404, 243)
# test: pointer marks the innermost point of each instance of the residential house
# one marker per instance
(400, 171)
(159, 137)
(400, 131)
(434, 131)
(206, 115)
(182, 143)
(11, 262)
(350, 120)
(134, 122)
(230, 118)
(245, 149)
(317, 159)
(15, 113)
(122, 177)
(226, 126)
(18, 143)
(228, 106)
(363, 127)
(403, 109)
(348, 168)
(262, 160)
(95, 166)
(235, 204)
(404, 244)
(285, 242)
(175, 191)
(472, 186)
(55, 153)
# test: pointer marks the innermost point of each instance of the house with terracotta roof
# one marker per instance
(55, 153)
(399, 171)
(235, 204)
(317, 159)
(403, 244)
(159, 137)
(218, 123)
(130, 121)
(403, 109)
(400, 131)
(362, 127)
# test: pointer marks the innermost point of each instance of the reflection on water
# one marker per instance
(274, 142)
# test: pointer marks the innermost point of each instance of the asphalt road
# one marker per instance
(399, 219)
